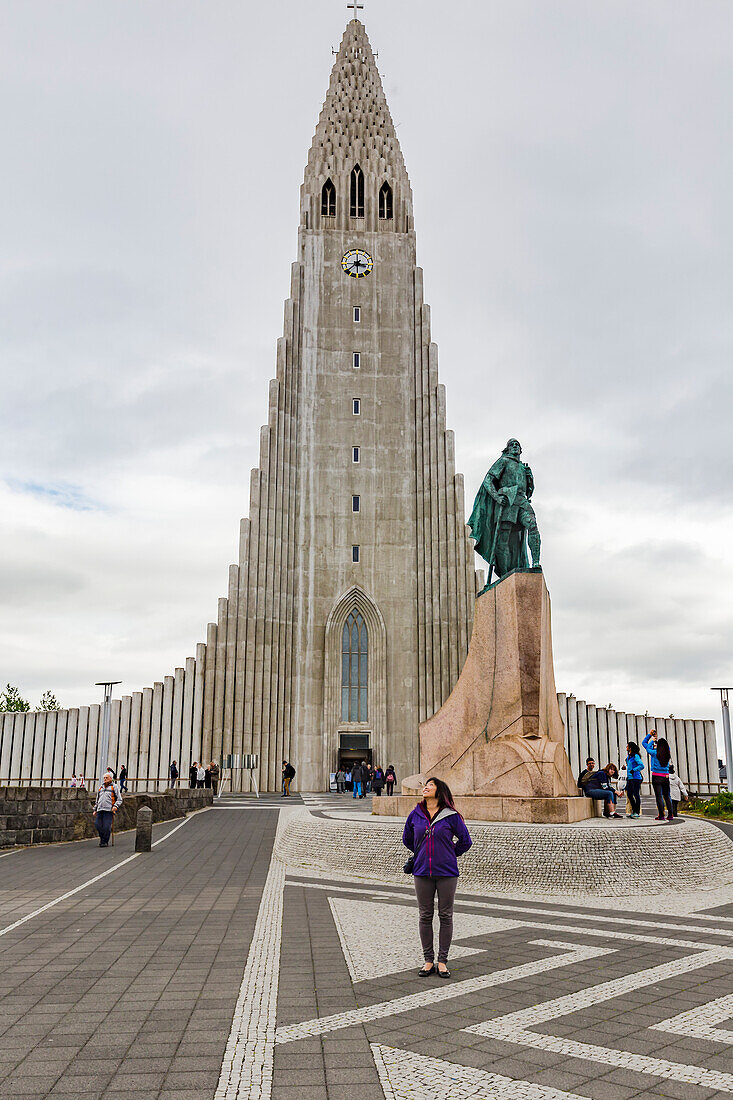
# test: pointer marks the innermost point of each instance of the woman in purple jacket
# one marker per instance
(436, 833)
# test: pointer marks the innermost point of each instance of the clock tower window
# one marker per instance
(356, 192)
(386, 206)
(328, 199)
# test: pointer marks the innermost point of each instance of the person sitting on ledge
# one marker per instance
(598, 786)
(590, 767)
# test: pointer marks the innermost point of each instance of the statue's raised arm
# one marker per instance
(502, 515)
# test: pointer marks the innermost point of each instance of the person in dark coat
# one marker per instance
(192, 774)
(587, 772)
(378, 782)
(598, 786)
(123, 778)
(174, 773)
(436, 833)
(214, 773)
(390, 778)
(356, 774)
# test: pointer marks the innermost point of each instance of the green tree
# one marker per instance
(11, 699)
(48, 702)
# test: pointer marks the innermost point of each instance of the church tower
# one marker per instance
(349, 613)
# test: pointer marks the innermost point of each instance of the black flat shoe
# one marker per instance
(426, 973)
(444, 973)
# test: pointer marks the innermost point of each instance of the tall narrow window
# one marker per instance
(356, 503)
(355, 554)
(354, 657)
(357, 360)
(357, 313)
(356, 192)
(356, 454)
(385, 201)
(328, 200)
(356, 406)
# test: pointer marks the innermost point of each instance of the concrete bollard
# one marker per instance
(144, 834)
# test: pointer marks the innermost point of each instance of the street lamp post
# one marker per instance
(726, 736)
(106, 718)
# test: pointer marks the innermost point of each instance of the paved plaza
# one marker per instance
(209, 969)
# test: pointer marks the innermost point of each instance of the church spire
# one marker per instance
(355, 147)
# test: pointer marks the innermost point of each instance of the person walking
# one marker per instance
(634, 777)
(123, 779)
(598, 786)
(288, 777)
(677, 790)
(174, 773)
(340, 781)
(378, 782)
(659, 756)
(214, 774)
(390, 778)
(105, 808)
(356, 780)
(436, 834)
(347, 779)
(200, 776)
(193, 774)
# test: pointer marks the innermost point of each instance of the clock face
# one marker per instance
(357, 263)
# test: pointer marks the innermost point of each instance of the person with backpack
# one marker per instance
(390, 778)
(436, 834)
(659, 757)
(677, 790)
(106, 805)
(288, 776)
(378, 782)
(634, 777)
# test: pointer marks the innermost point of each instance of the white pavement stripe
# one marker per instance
(247, 1067)
(514, 1027)
(405, 1075)
(89, 882)
(547, 911)
(68, 894)
(699, 1022)
(572, 953)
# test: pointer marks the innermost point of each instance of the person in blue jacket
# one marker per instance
(659, 758)
(599, 787)
(436, 833)
(634, 777)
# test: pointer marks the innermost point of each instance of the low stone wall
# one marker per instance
(41, 815)
(533, 859)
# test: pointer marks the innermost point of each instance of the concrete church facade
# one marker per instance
(348, 614)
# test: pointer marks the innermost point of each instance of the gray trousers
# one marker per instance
(426, 888)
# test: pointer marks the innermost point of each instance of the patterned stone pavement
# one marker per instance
(209, 969)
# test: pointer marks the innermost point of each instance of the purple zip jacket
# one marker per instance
(438, 851)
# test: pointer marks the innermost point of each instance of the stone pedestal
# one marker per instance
(499, 741)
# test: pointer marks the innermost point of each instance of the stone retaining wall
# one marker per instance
(591, 858)
(40, 815)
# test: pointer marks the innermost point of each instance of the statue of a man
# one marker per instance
(502, 513)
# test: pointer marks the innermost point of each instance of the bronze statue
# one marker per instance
(502, 515)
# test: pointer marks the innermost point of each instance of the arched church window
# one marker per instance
(328, 199)
(354, 647)
(356, 192)
(385, 202)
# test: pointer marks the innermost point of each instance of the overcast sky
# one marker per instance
(572, 171)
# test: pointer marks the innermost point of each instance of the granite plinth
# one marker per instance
(547, 811)
(500, 734)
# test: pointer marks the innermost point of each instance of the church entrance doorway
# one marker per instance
(353, 748)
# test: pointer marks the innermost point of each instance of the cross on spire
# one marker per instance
(356, 6)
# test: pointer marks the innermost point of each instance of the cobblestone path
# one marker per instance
(208, 969)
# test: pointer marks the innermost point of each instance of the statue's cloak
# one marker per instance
(484, 518)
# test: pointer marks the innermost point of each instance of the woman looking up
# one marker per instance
(659, 757)
(436, 833)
